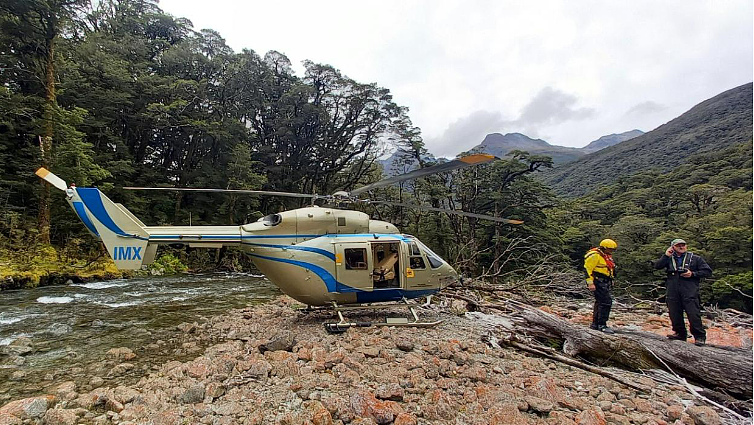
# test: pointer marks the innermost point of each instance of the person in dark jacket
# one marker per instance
(684, 269)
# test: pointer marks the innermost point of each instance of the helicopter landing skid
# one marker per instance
(343, 325)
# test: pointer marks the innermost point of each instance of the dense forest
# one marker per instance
(118, 93)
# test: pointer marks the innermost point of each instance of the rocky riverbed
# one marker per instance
(273, 363)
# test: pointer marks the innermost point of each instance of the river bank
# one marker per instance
(46, 265)
(272, 363)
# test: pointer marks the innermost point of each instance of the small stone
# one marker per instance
(405, 419)
(214, 390)
(194, 394)
(28, 408)
(643, 405)
(405, 345)
(506, 414)
(591, 417)
(66, 391)
(365, 405)
(284, 341)
(121, 353)
(60, 417)
(704, 415)
(318, 413)
(675, 411)
(121, 369)
(390, 392)
(539, 405)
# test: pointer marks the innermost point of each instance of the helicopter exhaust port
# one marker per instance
(271, 220)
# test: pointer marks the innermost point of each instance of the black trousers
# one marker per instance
(684, 296)
(603, 302)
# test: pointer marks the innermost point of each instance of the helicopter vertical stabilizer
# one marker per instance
(124, 236)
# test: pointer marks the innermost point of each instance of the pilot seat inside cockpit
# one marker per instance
(386, 273)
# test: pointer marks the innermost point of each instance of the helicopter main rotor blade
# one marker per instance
(54, 180)
(444, 210)
(241, 191)
(462, 162)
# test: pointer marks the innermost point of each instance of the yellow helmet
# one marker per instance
(608, 243)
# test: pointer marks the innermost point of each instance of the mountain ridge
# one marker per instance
(500, 145)
(718, 122)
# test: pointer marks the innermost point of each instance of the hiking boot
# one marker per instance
(677, 337)
(700, 341)
(595, 327)
(607, 330)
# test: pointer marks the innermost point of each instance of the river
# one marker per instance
(73, 326)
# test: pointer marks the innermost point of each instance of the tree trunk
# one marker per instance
(45, 141)
(723, 368)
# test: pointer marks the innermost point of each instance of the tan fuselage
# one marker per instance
(304, 252)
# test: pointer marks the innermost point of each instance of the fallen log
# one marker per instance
(726, 368)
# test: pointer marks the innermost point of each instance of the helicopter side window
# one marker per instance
(417, 263)
(356, 258)
(415, 259)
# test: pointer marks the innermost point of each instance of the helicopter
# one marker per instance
(323, 257)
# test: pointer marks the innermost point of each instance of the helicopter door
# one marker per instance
(386, 270)
(353, 265)
(418, 273)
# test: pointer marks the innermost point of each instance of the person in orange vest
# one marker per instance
(600, 272)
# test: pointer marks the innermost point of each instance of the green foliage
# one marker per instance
(167, 264)
(707, 202)
(733, 291)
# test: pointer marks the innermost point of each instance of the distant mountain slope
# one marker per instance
(499, 145)
(401, 162)
(610, 140)
(716, 123)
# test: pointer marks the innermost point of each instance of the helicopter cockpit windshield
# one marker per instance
(434, 260)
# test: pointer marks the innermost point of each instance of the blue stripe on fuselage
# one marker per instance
(362, 296)
(321, 251)
(323, 274)
(81, 212)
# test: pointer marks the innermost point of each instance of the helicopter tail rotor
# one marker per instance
(51, 178)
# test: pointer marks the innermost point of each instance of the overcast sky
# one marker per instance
(567, 72)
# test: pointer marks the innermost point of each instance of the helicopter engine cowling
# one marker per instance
(379, 226)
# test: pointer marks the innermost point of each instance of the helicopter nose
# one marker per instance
(452, 276)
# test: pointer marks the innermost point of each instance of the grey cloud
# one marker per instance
(467, 132)
(644, 108)
(551, 107)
